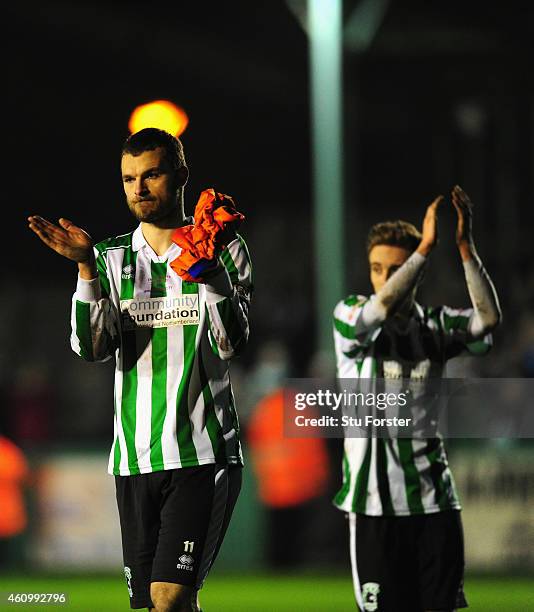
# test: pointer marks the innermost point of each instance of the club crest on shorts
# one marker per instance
(370, 591)
(128, 576)
(185, 562)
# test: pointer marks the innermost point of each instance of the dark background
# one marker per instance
(442, 95)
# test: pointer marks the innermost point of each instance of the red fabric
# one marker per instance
(13, 472)
(214, 213)
(290, 471)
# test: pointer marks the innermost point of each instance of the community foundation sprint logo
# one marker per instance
(128, 576)
(370, 592)
(160, 312)
(185, 562)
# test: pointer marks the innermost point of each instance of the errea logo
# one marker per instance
(185, 562)
(127, 272)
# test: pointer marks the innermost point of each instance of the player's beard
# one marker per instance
(156, 213)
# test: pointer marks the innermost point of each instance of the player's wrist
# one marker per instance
(467, 250)
(87, 269)
(425, 248)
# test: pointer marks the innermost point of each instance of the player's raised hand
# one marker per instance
(464, 210)
(66, 238)
(430, 227)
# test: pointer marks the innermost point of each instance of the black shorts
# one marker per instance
(408, 563)
(172, 525)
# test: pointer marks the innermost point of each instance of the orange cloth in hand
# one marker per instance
(202, 242)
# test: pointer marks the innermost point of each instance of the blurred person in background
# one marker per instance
(14, 475)
(406, 538)
(176, 454)
(292, 475)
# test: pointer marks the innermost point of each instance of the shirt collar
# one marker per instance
(138, 240)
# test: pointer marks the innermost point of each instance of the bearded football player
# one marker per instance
(169, 301)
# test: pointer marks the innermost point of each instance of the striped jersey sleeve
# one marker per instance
(95, 334)
(228, 300)
(453, 323)
(350, 345)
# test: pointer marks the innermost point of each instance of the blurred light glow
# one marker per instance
(160, 114)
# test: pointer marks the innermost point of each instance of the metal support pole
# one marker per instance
(325, 36)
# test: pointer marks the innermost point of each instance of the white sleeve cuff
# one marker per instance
(88, 290)
(219, 287)
(236, 239)
(417, 258)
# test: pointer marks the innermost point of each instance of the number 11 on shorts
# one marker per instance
(188, 546)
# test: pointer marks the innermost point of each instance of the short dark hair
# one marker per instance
(394, 233)
(149, 139)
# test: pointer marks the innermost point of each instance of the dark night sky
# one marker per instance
(240, 69)
(78, 71)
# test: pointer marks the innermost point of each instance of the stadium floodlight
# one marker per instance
(160, 114)
(325, 37)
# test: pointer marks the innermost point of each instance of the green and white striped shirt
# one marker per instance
(174, 405)
(396, 476)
